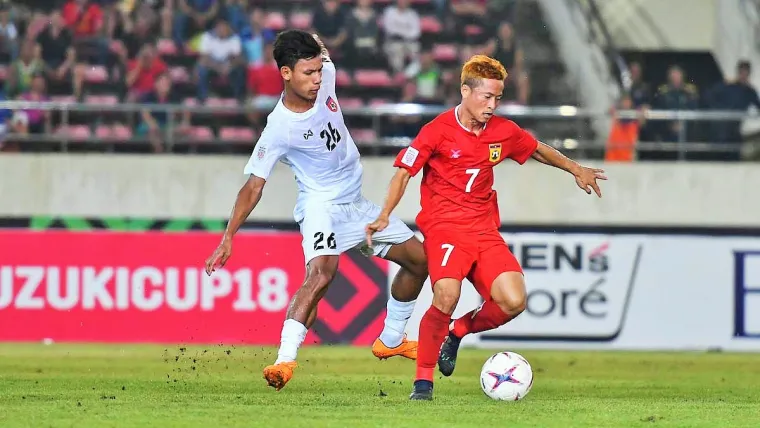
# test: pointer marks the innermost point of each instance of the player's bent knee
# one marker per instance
(446, 294)
(513, 305)
(319, 276)
(508, 292)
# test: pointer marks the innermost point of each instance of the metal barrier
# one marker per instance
(576, 142)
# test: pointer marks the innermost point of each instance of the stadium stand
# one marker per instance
(109, 52)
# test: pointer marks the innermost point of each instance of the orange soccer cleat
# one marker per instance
(277, 375)
(407, 349)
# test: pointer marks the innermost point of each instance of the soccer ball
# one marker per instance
(506, 376)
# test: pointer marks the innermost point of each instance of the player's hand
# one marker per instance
(376, 226)
(219, 258)
(586, 179)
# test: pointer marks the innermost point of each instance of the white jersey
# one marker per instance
(317, 147)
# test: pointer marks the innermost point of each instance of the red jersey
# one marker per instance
(457, 182)
(82, 22)
(147, 77)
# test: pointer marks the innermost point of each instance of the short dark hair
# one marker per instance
(744, 65)
(294, 45)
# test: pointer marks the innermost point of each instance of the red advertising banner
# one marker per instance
(150, 287)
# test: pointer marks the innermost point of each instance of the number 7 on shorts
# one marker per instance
(449, 248)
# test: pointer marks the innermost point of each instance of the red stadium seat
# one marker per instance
(64, 99)
(472, 30)
(430, 24)
(179, 75)
(300, 20)
(445, 53)
(373, 78)
(121, 132)
(110, 100)
(350, 102)
(221, 103)
(342, 78)
(74, 132)
(113, 132)
(95, 74)
(200, 133)
(237, 134)
(103, 132)
(166, 47)
(364, 135)
(276, 21)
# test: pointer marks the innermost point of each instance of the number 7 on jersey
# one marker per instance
(474, 173)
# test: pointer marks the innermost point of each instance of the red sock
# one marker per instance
(433, 329)
(488, 317)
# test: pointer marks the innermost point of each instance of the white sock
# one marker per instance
(293, 334)
(397, 315)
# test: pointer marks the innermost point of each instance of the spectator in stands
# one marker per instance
(264, 84)
(193, 17)
(154, 122)
(64, 77)
(137, 34)
(427, 82)
(221, 56)
(33, 121)
(329, 22)
(738, 96)
(402, 34)
(624, 135)
(22, 69)
(5, 126)
(468, 12)
(157, 13)
(505, 48)
(675, 95)
(142, 73)
(364, 32)
(640, 92)
(255, 36)
(8, 32)
(85, 20)
(235, 11)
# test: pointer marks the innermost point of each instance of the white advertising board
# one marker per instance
(654, 292)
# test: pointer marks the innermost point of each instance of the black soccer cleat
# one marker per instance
(423, 390)
(447, 359)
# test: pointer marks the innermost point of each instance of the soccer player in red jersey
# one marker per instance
(457, 152)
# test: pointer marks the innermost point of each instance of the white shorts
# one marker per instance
(333, 229)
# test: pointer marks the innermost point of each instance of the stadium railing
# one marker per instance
(576, 142)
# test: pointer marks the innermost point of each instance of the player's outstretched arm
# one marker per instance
(585, 177)
(247, 199)
(395, 191)
(325, 53)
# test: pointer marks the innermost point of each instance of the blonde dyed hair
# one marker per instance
(482, 67)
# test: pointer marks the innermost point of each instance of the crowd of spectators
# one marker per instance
(677, 93)
(219, 52)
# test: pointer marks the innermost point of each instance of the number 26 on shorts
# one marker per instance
(448, 248)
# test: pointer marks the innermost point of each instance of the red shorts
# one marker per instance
(479, 258)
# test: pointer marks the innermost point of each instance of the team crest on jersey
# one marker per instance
(494, 152)
(331, 104)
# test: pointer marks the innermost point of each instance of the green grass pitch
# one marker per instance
(64, 385)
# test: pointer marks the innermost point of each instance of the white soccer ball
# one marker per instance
(506, 376)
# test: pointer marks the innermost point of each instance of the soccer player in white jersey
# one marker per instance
(306, 131)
